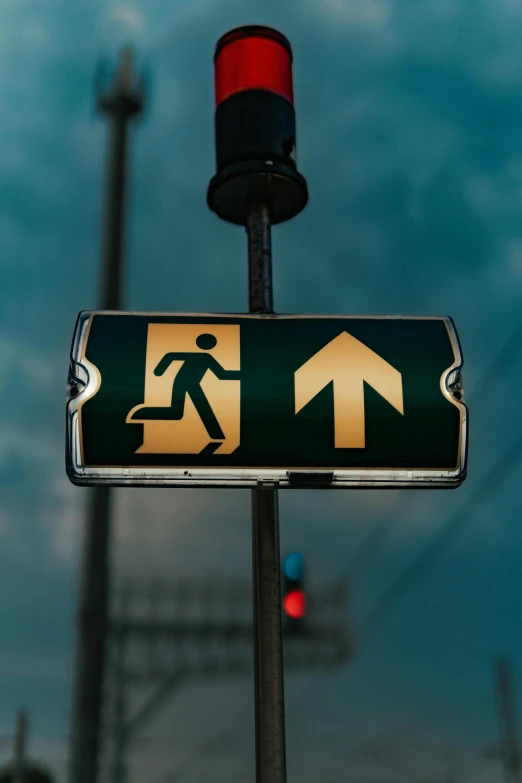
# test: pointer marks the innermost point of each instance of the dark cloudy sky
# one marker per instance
(410, 135)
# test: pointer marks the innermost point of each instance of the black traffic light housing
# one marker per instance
(255, 127)
(293, 593)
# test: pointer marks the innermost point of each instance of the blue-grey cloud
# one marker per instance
(408, 133)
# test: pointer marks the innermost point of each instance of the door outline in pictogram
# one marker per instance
(192, 390)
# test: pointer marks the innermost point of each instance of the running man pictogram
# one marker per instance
(188, 382)
(192, 391)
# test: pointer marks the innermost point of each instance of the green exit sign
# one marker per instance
(232, 400)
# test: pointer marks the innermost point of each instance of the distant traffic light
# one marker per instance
(293, 593)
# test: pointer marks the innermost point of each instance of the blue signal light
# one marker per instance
(293, 566)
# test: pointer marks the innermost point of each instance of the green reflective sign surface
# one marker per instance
(228, 400)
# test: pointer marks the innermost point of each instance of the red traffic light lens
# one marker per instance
(253, 58)
(294, 604)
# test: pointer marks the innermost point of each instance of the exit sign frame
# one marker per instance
(310, 380)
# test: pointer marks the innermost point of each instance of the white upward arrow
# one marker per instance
(348, 363)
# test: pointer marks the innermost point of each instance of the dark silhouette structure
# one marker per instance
(120, 102)
(31, 774)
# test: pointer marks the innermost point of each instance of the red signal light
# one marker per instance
(294, 604)
(254, 122)
(253, 58)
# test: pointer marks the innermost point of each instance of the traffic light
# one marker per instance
(293, 593)
(254, 124)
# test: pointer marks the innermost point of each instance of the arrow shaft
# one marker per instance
(349, 426)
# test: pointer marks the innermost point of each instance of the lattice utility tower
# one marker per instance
(121, 101)
(164, 632)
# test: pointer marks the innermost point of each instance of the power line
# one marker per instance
(376, 537)
(441, 713)
(493, 479)
(372, 541)
(366, 550)
(402, 583)
(204, 747)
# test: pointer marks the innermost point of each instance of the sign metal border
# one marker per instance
(85, 375)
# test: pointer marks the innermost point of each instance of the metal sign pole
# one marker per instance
(268, 650)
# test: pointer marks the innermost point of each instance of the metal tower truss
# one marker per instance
(163, 633)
